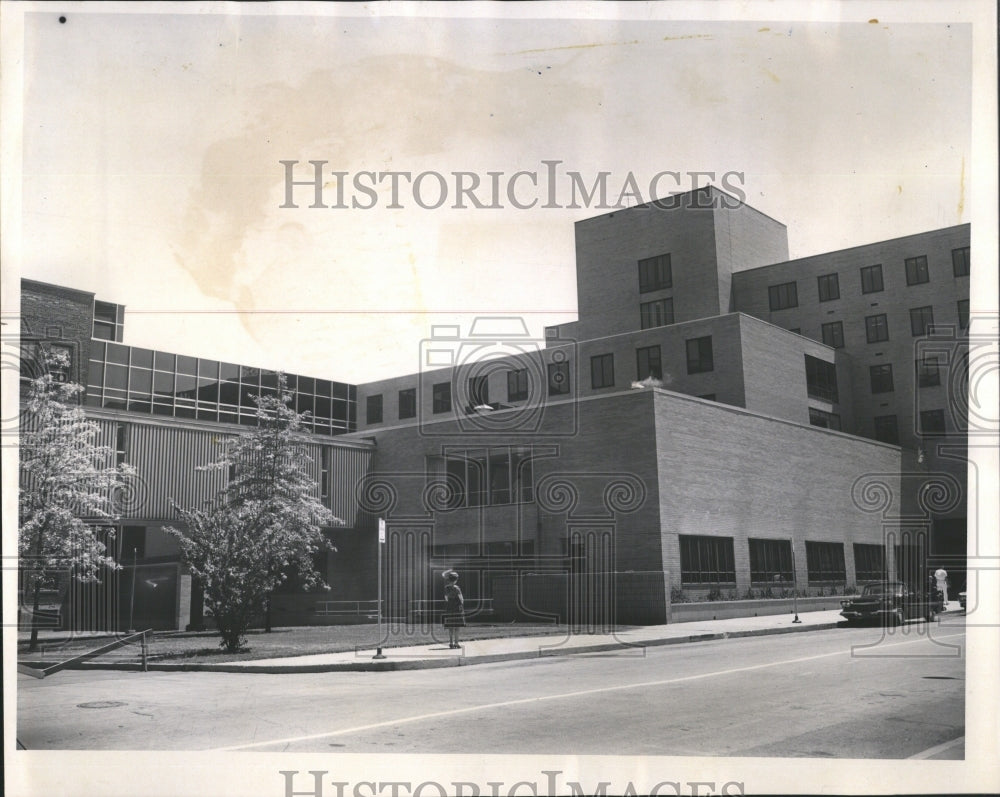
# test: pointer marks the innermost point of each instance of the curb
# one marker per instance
(389, 665)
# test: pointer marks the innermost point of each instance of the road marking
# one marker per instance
(544, 698)
(930, 752)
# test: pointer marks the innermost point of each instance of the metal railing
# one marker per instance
(366, 609)
(143, 637)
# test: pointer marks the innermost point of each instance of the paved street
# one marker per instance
(793, 695)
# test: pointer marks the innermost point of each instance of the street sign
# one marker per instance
(381, 529)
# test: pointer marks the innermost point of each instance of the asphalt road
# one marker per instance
(841, 693)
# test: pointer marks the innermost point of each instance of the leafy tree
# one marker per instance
(67, 482)
(266, 523)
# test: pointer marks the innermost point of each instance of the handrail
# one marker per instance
(35, 672)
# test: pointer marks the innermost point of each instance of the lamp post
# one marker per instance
(381, 542)
(795, 596)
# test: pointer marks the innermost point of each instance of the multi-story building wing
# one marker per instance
(167, 414)
(720, 421)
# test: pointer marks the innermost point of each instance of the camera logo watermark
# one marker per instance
(497, 379)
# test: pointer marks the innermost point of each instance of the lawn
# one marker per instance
(203, 646)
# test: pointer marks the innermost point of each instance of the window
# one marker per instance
(821, 379)
(963, 314)
(833, 334)
(373, 409)
(928, 371)
(932, 422)
(324, 473)
(783, 296)
(656, 314)
(960, 261)
(602, 371)
(109, 321)
(877, 328)
(921, 320)
(62, 370)
(707, 560)
(825, 561)
(886, 429)
(648, 363)
(654, 273)
(487, 476)
(121, 443)
(881, 378)
(871, 279)
(441, 397)
(825, 420)
(558, 378)
(770, 558)
(869, 562)
(829, 287)
(699, 355)
(517, 385)
(916, 270)
(479, 390)
(408, 403)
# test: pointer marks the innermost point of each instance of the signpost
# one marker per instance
(381, 542)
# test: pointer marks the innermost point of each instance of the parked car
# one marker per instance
(890, 602)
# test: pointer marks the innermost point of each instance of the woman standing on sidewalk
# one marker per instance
(454, 613)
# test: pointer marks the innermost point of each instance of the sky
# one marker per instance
(152, 149)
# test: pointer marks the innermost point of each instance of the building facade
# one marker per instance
(719, 422)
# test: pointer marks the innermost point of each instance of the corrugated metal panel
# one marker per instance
(166, 460)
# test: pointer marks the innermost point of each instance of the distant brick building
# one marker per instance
(719, 420)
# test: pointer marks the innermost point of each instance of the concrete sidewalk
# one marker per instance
(630, 642)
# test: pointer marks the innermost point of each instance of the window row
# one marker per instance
(478, 392)
(785, 295)
(930, 423)
(711, 560)
(492, 476)
(877, 326)
(142, 380)
(649, 364)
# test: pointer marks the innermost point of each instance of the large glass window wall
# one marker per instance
(174, 385)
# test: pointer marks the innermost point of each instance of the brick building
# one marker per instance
(716, 422)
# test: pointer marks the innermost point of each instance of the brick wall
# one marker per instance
(727, 472)
(54, 313)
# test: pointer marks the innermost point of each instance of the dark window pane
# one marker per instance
(187, 365)
(960, 261)
(602, 371)
(163, 362)
(558, 378)
(829, 287)
(117, 354)
(783, 296)
(142, 357)
(916, 270)
(871, 279)
(821, 379)
(699, 355)
(655, 273)
(833, 334)
(140, 380)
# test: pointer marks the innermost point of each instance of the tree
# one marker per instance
(67, 484)
(266, 523)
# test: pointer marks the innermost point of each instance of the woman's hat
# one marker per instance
(451, 575)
